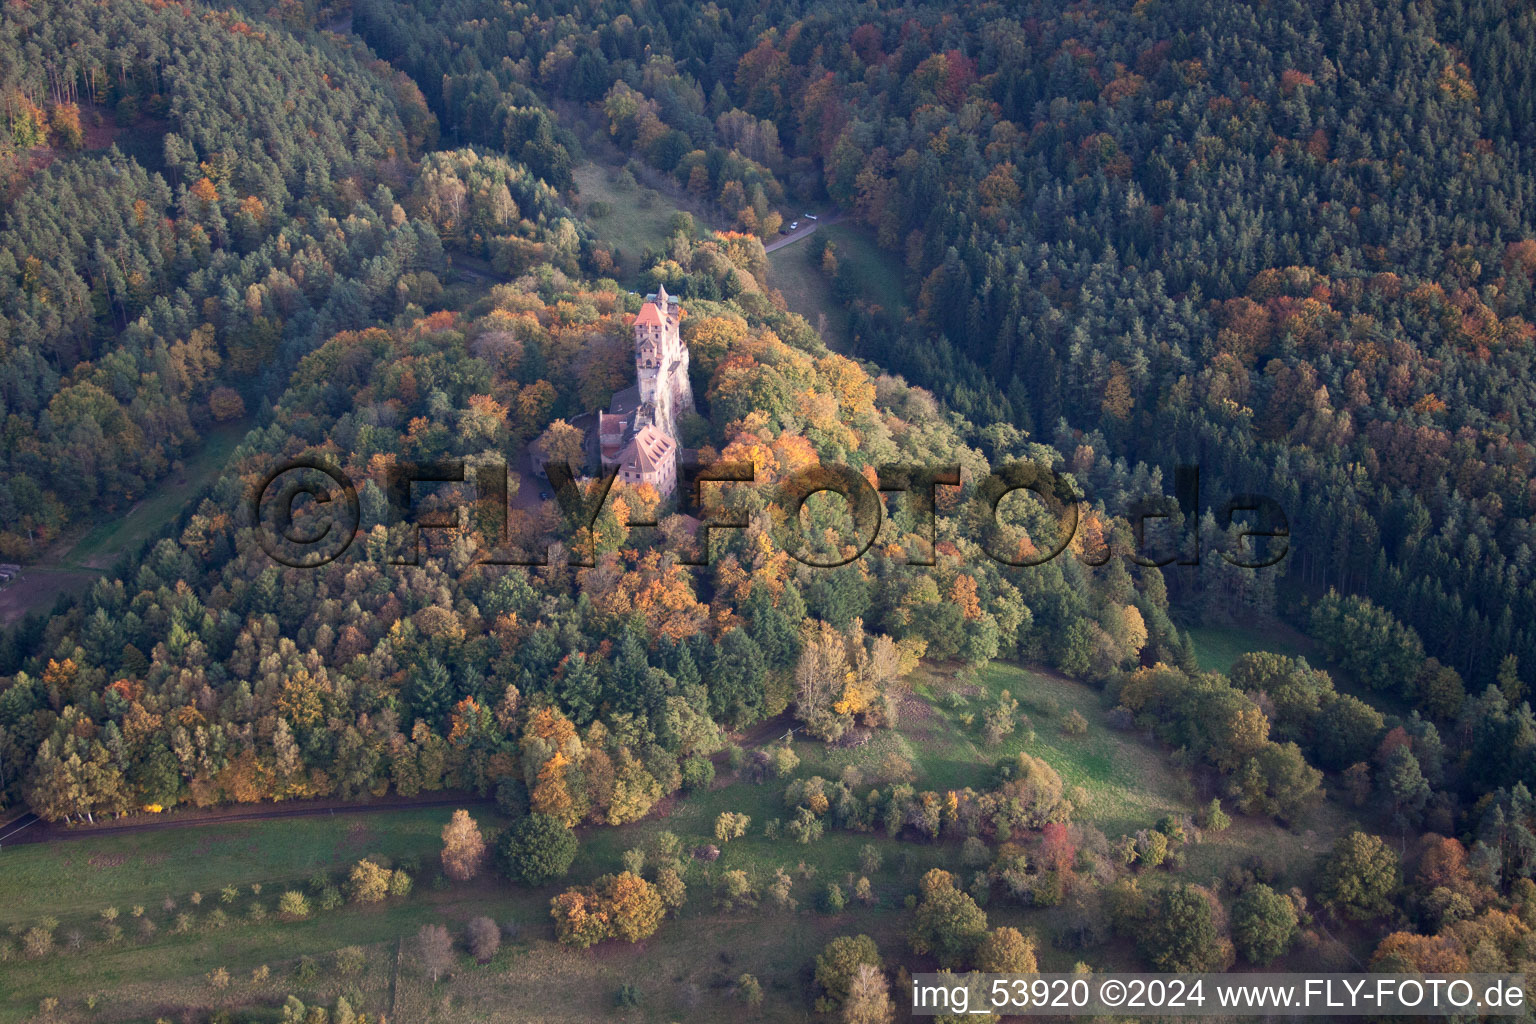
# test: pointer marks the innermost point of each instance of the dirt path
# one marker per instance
(37, 588)
(31, 829)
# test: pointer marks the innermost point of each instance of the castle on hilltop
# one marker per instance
(638, 433)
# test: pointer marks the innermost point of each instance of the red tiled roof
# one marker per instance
(648, 449)
(650, 316)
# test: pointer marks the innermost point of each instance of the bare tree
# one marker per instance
(484, 938)
(434, 946)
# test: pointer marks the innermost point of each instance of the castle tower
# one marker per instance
(637, 436)
(661, 361)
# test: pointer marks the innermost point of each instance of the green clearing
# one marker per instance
(637, 217)
(109, 540)
(796, 272)
(1217, 647)
(79, 877)
(1120, 781)
(77, 562)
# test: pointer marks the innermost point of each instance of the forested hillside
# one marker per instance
(1283, 242)
(1294, 245)
(210, 674)
(138, 304)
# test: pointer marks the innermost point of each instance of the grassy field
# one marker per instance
(795, 272)
(1119, 781)
(100, 547)
(1217, 647)
(637, 218)
(76, 563)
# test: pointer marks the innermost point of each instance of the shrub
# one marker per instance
(1074, 724)
(832, 899)
(399, 883)
(730, 825)
(974, 852)
(895, 768)
(349, 960)
(781, 890)
(698, 773)
(1215, 818)
(749, 990)
(734, 891)
(368, 882)
(672, 889)
(292, 905)
(1151, 848)
(1000, 718)
(37, 941)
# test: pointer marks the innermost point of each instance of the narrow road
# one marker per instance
(29, 828)
(779, 243)
(32, 829)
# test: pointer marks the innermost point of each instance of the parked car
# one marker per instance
(810, 216)
(793, 224)
(543, 495)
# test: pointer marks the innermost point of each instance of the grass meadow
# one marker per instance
(1217, 647)
(634, 217)
(1120, 781)
(796, 273)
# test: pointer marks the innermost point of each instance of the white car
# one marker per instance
(793, 224)
(810, 216)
